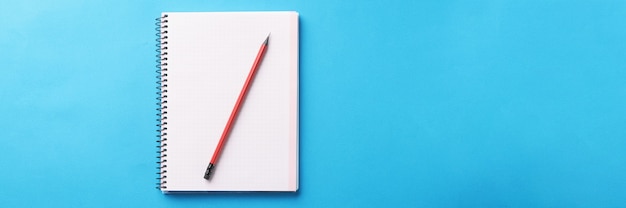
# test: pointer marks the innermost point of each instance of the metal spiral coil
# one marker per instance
(161, 59)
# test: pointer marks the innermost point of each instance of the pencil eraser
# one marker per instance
(207, 173)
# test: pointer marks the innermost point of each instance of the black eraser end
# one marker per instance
(207, 173)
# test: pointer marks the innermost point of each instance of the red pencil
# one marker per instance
(233, 114)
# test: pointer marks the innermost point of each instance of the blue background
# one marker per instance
(403, 103)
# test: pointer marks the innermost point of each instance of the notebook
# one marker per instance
(204, 59)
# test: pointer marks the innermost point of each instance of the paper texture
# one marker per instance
(209, 56)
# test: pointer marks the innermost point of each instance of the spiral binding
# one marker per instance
(161, 59)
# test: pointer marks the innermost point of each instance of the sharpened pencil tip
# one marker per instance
(266, 39)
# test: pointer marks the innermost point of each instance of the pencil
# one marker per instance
(233, 114)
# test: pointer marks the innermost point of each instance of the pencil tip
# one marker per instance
(266, 39)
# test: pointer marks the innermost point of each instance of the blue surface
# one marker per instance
(403, 103)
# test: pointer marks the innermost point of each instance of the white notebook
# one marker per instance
(205, 58)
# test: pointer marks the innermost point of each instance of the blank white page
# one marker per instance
(209, 55)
